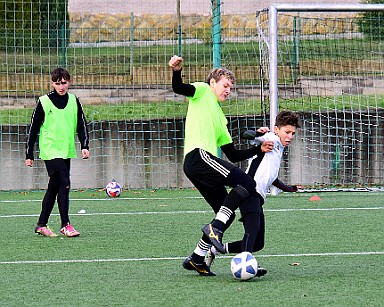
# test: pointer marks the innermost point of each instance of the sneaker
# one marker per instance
(69, 231)
(215, 236)
(210, 258)
(44, 231)
(202, 268)
(261, 272)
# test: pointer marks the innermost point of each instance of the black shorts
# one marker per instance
(200, 165)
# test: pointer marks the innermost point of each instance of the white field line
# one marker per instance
(192, 212)
(105, 199)
(180, 258)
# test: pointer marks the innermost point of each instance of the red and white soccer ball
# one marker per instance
(113, 189)
(244, 266)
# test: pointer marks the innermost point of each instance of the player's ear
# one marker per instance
(276, 129)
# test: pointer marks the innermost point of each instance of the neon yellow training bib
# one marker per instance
(58, 131)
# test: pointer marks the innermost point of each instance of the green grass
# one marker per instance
(178, 109)
(116, 60)
(130, 252)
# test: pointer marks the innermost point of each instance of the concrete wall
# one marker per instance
(331, 148)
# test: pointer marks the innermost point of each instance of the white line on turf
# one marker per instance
(180, 258)
(106, 199)
(194, 212)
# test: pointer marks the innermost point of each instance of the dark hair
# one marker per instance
(60, 73)
(285, 118)
(218, 73)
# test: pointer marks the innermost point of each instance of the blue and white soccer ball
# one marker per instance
(244, 266)
(113, 189)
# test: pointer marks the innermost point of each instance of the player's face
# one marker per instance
(221, 88)
(61, 86)
(285, 133)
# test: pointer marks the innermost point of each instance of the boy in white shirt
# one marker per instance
(264, 168)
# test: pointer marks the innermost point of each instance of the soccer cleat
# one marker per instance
(215, 236)
(210, 258)
(200, 268)
(261, 272)
(45, 231)
(69, 231)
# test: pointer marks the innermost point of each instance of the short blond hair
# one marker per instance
(218, 73)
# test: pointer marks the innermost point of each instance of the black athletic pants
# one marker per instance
(211, 175)
(254, 227)
(58, 187)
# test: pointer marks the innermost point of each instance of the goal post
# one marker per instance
(273, 37)
(314, 59)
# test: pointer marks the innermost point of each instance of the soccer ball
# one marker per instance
(113, 189)
(244, 266)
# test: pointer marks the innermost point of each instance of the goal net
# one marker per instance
(327, 63)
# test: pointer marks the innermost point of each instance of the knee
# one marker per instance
(245, 189)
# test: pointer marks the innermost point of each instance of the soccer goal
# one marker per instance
(327, 63)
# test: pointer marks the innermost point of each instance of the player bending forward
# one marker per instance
(264, 168)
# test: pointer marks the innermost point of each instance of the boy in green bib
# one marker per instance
(57, 118)
(205, 131)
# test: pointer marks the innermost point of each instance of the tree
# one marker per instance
(31, 24)
(371, 23)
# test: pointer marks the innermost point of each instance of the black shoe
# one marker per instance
(215, 236)
(261, 272)
(200, 268)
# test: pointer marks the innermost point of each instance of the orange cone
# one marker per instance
(314, 198)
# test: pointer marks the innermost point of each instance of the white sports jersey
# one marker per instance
(265, 167)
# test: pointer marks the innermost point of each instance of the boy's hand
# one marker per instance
(85, 153)
(175, 63)
(267, 146)
(262, 130)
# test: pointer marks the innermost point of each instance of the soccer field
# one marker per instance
(323, 253)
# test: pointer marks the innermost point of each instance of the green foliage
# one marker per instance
(371, 24)
(29, 24)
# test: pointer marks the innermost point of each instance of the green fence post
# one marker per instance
(216, 33)
(63, 46)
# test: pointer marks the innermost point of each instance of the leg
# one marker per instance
(63, 193)
(215, 197)
(254, 232)
(235, 247)
(50, 195)
(243, 187)
(63, 199)
(207, 175)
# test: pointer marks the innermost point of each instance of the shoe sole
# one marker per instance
(70, 235)
(52, 235)
(208, 230)
(48, 236)
(190, 266)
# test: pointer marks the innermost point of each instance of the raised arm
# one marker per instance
(177, 83)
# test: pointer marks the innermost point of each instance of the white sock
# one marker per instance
(224, 214)
(201, 248)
